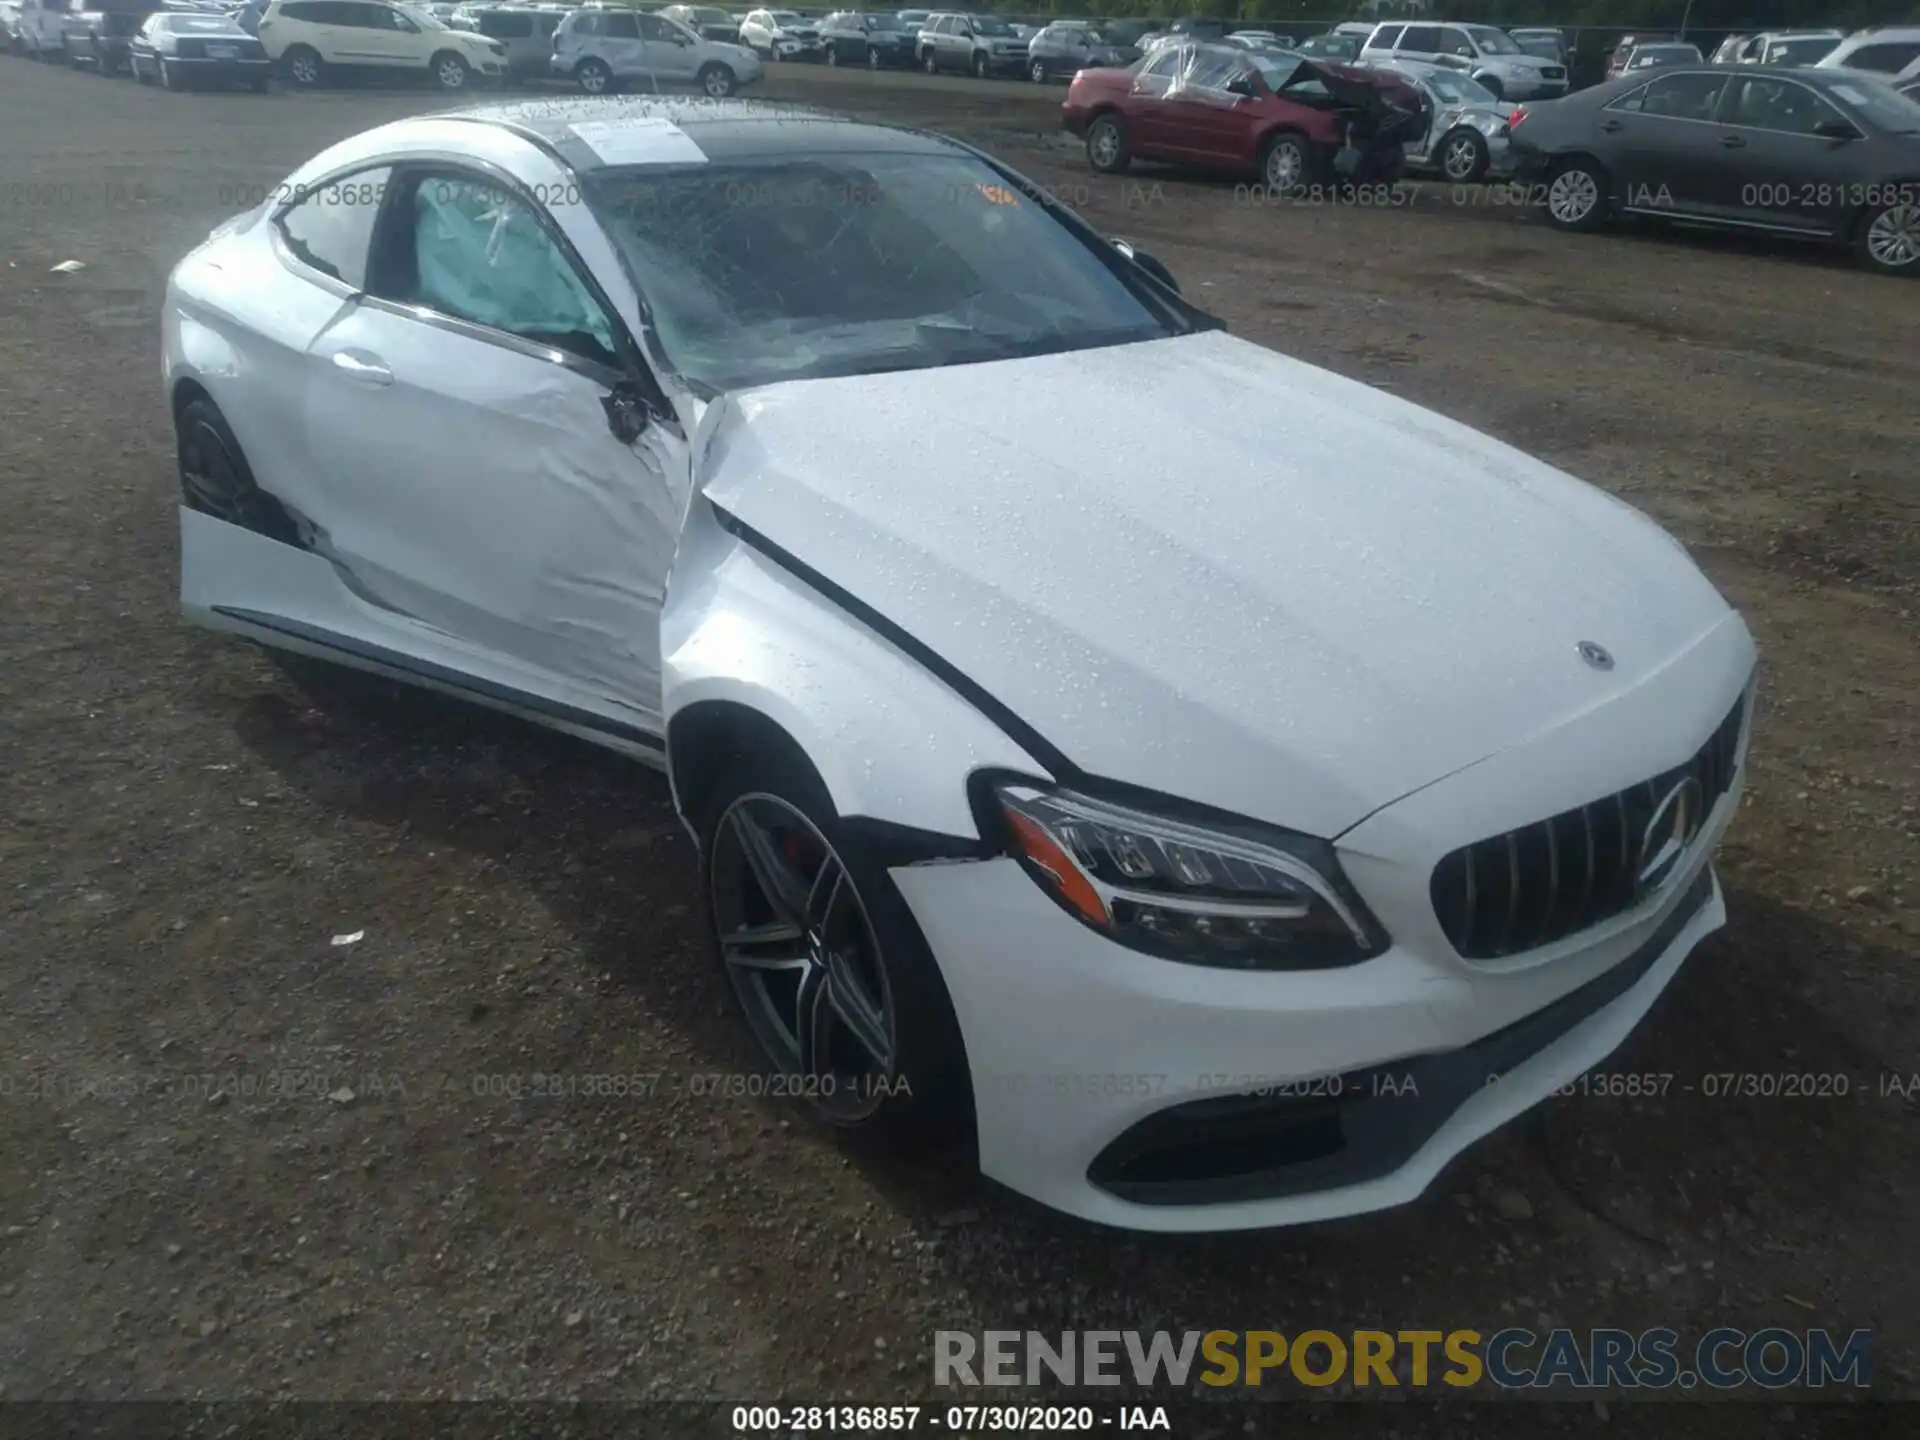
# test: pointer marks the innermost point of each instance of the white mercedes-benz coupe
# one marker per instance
(1219, 789)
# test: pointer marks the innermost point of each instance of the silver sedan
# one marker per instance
(1467, 140)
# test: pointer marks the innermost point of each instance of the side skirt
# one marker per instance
(284, 633)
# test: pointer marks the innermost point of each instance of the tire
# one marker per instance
(593, 77)
(305, 68)
(1889, 239)
(930, 63)
(216, 480)
(1463, 156)
(979, 67)
(873, 58)
(717, 82)
(167, 81)
(1286, 162)
(831, 55)
(1037, 73)
(1491, 84)
(449, 71)
(1107, 149)
(855, 963)
(139, 76)
(1577, 195)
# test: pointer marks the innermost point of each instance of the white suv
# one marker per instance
(1490, 56)
(602, 48)
(309, 38)
(1890, 50)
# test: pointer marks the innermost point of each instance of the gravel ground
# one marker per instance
(184, 829)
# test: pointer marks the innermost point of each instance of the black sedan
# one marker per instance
(853, 37)
(181, 49)
(1822, 154)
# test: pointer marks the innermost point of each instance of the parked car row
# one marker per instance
(1820, 153)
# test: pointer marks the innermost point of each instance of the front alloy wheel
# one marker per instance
(803, 956)
(1285, 168)
(873, 58)
(1037, 73)
(1577, 196)
(717, 81)
(1890, 240)
(450, 72)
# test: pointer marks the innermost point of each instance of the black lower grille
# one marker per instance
(1558, 876)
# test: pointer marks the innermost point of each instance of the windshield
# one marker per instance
(884, 22)
(1880, 105)
(785, 17)
(200, 25)
(422, 17)
(1459, 90)
(987, 25)
(1800, 52)
(1664, 54)
(856, 264)
(1491, 41)
(1544, 46)
(706, 16)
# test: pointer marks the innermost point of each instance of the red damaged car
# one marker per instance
(1287, 119)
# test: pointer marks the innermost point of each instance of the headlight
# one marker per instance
(1236, 896)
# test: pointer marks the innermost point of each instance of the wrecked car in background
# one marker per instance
(1467, 138)
(1195, 738)
(1290, 120)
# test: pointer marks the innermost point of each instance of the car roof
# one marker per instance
(723, 129)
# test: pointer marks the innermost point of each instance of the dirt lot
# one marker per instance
(182, 831)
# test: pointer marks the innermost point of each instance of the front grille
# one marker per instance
(1553, 72)
(1530, 887)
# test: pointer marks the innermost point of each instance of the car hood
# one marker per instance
(1201, 567)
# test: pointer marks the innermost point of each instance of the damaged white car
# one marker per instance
(1220, 788)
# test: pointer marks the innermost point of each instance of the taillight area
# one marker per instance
(1513, 120)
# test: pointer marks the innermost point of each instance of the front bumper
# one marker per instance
(1141, 1093)
(798, 49)
(1014, 62)
(1518, 89)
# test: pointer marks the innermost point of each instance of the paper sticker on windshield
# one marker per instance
(644, 140)
(998, 194)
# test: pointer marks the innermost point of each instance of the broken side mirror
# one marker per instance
(1147, 263)
(1241, 85)
(627, 413)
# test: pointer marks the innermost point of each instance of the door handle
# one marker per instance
(1732, 142)
(359, 365)
(1611, 125)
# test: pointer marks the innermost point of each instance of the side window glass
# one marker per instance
(652, 27)
(481, 255)
(1421, 39)
(619, 27)
(331, 229)
(1683, 97)
(1768, 104)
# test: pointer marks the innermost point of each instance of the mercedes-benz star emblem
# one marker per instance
(1598, 656)
(1676, 821)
